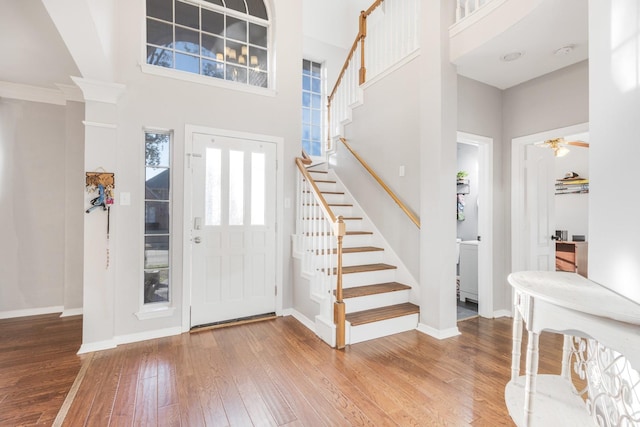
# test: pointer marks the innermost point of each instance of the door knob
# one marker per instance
(555, 237)
(197, 239)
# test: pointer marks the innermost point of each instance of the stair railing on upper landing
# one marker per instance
(321, 235)
(388, 33)
(465, 8)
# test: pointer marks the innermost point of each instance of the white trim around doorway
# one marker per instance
(485, 223)
(186, 270)
(518, 249)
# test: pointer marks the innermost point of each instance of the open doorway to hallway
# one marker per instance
(474, 253)
(550, 202)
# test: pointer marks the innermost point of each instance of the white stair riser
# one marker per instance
(352, 241)
(375, 301)
(368, 278)
(382, 328)
(326, 186)
(361, 258)
(351, 225)
(342, 210)
(333, 198)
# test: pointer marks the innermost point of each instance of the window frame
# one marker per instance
(162, 308)
(178, 74)
(323, 106)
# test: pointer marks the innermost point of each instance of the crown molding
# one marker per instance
(99, 91)
(31, 93)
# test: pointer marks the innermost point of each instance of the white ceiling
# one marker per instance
(33, 52)
(551, 25)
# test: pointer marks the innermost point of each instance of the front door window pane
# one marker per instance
(213, 187)
(257, 188)
(236, 187)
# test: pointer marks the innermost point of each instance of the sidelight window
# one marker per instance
(157, 222)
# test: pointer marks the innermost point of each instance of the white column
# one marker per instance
(100, 122)
(438, 121)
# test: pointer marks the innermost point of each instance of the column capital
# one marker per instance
(99, 91)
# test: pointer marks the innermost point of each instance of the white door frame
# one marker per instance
(189, 130)
(485, 217)
(519, 251)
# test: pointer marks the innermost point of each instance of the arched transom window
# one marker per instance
(223, 39)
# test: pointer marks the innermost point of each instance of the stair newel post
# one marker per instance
(363, 36)
(339, 313)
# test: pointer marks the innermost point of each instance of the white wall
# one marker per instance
(614, 67)
(552, 101)
(165, 103)
(480, 113)
(387, 138)
(33, 194)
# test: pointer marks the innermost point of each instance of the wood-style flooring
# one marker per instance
(271, 373)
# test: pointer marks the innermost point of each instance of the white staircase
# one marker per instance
(377, 290)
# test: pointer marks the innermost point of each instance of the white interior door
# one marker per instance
(539, 208)
(233, 228)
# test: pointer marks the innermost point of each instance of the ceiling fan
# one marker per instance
(558, 145)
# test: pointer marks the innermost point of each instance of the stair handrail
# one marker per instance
(339, 230)
(360, 37)
(380, 181)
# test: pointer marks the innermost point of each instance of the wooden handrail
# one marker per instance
(362, 34)
(390, 192)
(316, 191)
(339, 230)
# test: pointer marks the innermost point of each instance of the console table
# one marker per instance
(573, 305)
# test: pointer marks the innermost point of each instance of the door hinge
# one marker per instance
(276, 291)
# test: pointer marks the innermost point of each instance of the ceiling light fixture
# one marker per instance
(512, 56)
(564, 50)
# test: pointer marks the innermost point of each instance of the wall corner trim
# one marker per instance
(440, 334)
(99, 91)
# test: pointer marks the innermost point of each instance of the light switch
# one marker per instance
(401, 171)
(125, 199)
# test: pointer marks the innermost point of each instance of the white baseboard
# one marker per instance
(71, 312)
(129, 338)
(326, 330)
(31, 312)
(302, 319)
(149, 335)
(97, 346)
(502, 313)
(440, 334)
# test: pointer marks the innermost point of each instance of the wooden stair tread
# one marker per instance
(382, 313)
(330, 204)
(347, 218)
(326, 181)
(341, 193)
(364, 268)
(352, 250)
(348, 233)
(379, 288)
(314, 171)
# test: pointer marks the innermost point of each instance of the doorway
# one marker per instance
(476, 239)
(536, 210)
(231, 245)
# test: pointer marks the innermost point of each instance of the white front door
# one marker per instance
(233, 218)
(539, 207)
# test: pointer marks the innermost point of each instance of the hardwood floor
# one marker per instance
(269, 373)
(38, 364)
